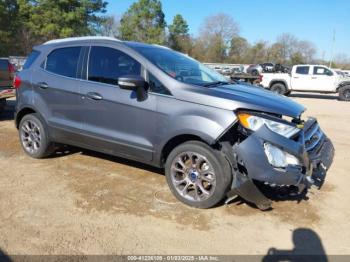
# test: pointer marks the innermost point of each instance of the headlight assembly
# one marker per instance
(278, 157)
(254, 122)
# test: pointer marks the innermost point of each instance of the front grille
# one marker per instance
(313, 135)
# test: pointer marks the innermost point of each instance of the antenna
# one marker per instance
(332, 50)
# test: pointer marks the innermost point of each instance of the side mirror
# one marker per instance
(329, 73)
(135, 83)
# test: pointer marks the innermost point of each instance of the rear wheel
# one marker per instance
(279, 88)
(34, 137)
(197, 175)
(344, 93)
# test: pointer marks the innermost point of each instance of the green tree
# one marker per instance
(64, 18)
(144, 22)
(297, 58)
(8, 13)
(275, 53)
(37, 21)
(238, 50)
(179, 39)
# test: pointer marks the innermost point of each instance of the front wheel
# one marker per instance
(344, 93)
(198, 175)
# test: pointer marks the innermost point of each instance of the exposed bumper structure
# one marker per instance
(312, 149)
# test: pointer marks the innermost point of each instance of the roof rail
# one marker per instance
(162, 46)
(69, 39)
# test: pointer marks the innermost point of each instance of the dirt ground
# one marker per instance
(81, 202)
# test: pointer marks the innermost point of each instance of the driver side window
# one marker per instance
(106, 65)
(319, 70)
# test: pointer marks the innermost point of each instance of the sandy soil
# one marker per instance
(81, 202)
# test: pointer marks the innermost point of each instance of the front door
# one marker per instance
(114, 121)
(323, 79)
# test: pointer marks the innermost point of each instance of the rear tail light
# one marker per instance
(17, 82)
(261, 78)
(11, 68)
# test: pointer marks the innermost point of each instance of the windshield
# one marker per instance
(181, 67)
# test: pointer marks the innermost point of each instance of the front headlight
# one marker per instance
(279, 158)
(254, 122)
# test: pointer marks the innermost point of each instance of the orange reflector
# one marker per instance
(243, 118)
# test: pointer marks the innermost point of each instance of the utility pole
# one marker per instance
(332, 50)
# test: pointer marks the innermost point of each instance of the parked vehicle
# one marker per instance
(308, 78)
(268, 67)
(148, 103)
(255, 70)
(226, 71)
(7, 71)
(281, 69)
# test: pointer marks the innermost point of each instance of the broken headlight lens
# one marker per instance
(254, 122)
(278, 157)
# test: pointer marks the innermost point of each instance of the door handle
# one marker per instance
(296, 77)
(94, 96)
(43, 85)
(314, 77)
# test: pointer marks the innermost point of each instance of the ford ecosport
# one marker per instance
(148, 103)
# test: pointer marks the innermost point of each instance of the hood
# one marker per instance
(233, 97)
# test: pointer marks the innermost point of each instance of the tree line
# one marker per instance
(24, 23)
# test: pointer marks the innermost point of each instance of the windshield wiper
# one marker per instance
(216, 83)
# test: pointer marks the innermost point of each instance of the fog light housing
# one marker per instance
(278, 157)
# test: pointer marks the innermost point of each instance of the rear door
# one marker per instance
(114, 121)
(56, 87)
(301, 78)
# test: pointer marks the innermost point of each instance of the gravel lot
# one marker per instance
(81, 202)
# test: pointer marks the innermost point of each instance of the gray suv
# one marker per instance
(215, 139)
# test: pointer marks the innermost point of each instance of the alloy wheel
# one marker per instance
(193, 176)
(31, 136)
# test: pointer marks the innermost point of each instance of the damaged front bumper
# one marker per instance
(250, 163)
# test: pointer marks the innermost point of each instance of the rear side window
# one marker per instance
(4, 64)
(106, 65)
(31, 59)
(302, 70)
(63, 61)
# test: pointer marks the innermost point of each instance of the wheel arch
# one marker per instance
(176, 141)
(279, 81)
(23, 112)
(342, 84)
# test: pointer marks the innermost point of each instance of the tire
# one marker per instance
(203, 186)
(344, 93)
(279, 88)
(34, 137)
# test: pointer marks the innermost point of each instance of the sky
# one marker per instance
(311, 20)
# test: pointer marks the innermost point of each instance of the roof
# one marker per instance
(83, 38)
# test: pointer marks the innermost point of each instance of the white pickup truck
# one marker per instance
(308, 78)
